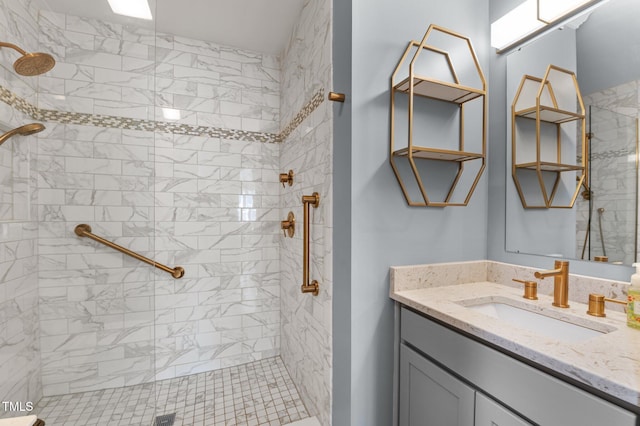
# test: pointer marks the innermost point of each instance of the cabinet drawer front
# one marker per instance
(537, 396)
(490, 413)
(430, 396)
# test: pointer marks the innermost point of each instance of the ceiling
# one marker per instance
(257, 25)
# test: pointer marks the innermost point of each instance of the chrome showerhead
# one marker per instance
(31, 64)
(27, 129)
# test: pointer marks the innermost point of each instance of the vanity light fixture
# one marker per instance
(134, 8)
(532, 17)
(515, 25)
(552, 10)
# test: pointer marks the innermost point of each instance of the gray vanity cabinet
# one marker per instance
(429, 396)
(448, 379)
(490, 413)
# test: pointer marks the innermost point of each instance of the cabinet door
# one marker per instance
(490, 413)
(429, 396)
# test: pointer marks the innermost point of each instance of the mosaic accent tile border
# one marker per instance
(622, 152)
(16, 102)
(110, 121)
(151, 125)
(305, 112)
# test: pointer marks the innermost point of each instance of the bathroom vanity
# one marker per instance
(472, 351)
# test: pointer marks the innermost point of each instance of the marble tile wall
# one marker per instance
(200, 191)
(196, 193)
(306, 346)
(613, 175)
(124, 71)
(96, 305)
(20, 381)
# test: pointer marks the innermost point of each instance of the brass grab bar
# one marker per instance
(84, 230)
(313, 287)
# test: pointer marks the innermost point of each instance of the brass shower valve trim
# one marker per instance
(289, 226)
(286, 178)
(530, 289)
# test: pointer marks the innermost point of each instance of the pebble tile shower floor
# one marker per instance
(254, 394)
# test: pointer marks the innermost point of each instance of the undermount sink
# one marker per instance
(556, 328)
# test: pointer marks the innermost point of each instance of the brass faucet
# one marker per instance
(560, 282)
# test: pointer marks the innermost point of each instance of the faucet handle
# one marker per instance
(596, 304)
(530, 289)
(286, 178)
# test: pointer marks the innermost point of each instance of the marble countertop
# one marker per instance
(609, 362)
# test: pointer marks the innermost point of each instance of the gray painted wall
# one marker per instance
(373, 226)
(341, 407)
(612, 26)
(384, 230)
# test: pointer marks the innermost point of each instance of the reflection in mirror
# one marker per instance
(602, 225)
(607, 215)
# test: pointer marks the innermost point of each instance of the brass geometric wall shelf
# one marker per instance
(550, 102)
(442, 86)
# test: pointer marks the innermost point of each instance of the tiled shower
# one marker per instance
(613, 117)
(200, 191)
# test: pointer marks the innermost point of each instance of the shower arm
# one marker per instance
(84, 230)
(12, 46)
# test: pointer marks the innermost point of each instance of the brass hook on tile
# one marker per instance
(336, 97)
(286, 178)
(289, 226)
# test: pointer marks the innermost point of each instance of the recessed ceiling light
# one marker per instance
(171, 113)
(134, 8)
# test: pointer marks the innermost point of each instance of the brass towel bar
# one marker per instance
(84, 230)
(308, 287)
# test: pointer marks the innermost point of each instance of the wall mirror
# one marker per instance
(601, 47)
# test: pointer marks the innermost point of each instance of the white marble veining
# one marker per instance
(607, 363)
(613, 113)
(207, 204)
(94, 318)
(111, 69)
(20, 368)
(306, 346)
